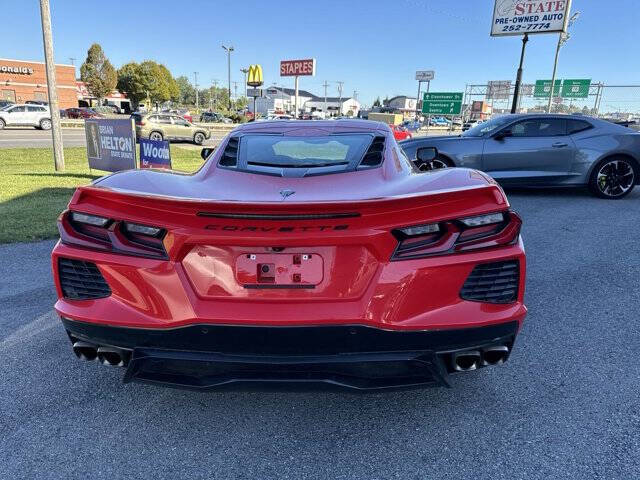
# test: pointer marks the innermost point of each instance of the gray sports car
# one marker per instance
(543, 150)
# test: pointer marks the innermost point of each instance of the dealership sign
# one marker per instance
(442, 103)
(111, 144)
(18, 70)
(154, 153)
(295, 68)
(516, 17)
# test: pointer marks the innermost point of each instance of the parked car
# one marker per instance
(83, 112)
(400, 132)
(26, 116)
(470, 124)
(545, 150)
(161, 126)
(214, 117)
(439, 122)
(412, 125)
(311, 254)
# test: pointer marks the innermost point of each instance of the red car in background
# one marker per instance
(400, 132)
(306, 251)
(82, 112)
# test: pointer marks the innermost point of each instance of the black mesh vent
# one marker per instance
(81, 280)
(230, 154)
(493, 283)
(374, 154)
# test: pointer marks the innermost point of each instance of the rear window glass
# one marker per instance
(575, 126)
(302, 152)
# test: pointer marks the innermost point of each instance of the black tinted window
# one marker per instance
(18, 109)
(539, 127)
(575, 126)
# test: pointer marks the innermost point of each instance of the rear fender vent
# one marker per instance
(493, 283)
(230, 155)
(374, 155)
(81, 280)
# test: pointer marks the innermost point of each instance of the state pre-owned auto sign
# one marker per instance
(294, 68)
(516, 17)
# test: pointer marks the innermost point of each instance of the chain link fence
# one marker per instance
(620, 102)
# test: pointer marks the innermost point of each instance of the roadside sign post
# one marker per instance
(524, 18)
(296, 68)
(423, 76)
(254, 80)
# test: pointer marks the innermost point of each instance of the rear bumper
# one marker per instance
(351, 356)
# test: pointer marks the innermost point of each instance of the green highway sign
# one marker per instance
(576, 88)
(543, 87)
(442, 103)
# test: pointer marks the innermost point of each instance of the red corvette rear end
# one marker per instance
(300, 252)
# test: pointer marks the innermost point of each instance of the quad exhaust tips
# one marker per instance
(110, 356)
(113, 357)
(466, 361)
(85, 351)
(495, 355)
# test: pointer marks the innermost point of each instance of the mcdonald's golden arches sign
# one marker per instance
(255, 76)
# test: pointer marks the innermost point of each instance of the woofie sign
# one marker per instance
(295, 68)
(517, 17)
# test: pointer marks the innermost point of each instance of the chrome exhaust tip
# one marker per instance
(111, 357)
(466, 361)
(85, 351)
(495, 355)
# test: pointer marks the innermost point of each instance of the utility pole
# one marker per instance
(195, 76)
(514, 105)
(215, 92)
(340, 83)
(245, 71)
(228, 49)
(562, 38)
(56, 134)
(325, 85)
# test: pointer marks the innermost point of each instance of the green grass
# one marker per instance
(32, 194)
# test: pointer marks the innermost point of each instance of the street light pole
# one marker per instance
(56, 134)
(340, 83)
(195, 76)
(229, 49)
(245, 71)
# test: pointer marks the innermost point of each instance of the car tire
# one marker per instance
(614, 177)
(156, 136)
(45, 124)
(2, 124)
(199, 138)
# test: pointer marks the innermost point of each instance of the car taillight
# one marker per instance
(101, 233)
(140, 124)
(457, 235)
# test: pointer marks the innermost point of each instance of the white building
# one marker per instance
(402, 104)
(278, 100)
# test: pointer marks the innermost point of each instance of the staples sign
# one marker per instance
(294, 68)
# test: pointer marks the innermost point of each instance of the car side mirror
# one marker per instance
(503, 134)
(426, 154)
(205, 152)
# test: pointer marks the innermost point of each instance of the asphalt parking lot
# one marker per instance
(566, 405)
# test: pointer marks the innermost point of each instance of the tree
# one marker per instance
(97, 73)
(377, 102)
(147, 80)
(187, 94)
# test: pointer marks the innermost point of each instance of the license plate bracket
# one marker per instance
(279, 270)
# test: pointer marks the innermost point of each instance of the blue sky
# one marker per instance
(373, 46)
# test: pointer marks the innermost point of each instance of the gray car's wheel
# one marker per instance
(437, 163)
(198, 138)
(156, 136)
(45, 124)
(613, 177)
(2, 124)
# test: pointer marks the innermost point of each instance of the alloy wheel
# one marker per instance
(615, 178)
(433, 165)
(155, 136)
(45, 124)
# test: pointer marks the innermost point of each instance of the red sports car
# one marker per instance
(400, 132)
(300, 252)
